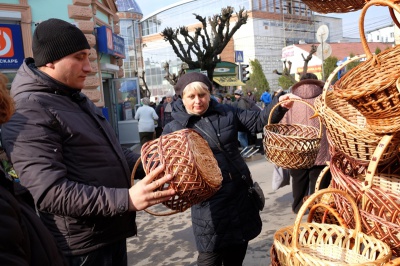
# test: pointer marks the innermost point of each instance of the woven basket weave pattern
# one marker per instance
(371, 86)
(379, 204)
(327, 244)
(188, 158)
(292, 146)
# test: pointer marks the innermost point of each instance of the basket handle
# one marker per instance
(311, 200)
(392, 6)
(328, 208)
(321, 177)
(373, 164)
(139, 160)
(335, 71)
(301, 101)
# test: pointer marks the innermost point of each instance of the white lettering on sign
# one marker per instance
(8, 61)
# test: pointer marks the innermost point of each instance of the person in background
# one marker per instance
(225, 223)
(67, 154)
(304, 180)
(160, 114)
(227, 99)
(24, 238)
(167, 109)
(146, 116)
(266, 98)
(251, 97)
(244, 104)
(219, 98)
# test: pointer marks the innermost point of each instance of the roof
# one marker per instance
(128, 6)
(343, 50)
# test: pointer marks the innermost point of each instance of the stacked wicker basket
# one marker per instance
(361, 113)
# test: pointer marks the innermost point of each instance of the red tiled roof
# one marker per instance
(342, 50)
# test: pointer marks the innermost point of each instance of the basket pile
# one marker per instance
(327, 244)
(292, 146)
(376, 191)
(372, 87)
(189, 159)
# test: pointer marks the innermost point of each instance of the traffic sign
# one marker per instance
(239, 56)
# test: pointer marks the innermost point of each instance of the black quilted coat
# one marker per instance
(229, 217)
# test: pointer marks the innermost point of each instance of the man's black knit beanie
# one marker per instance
(189, 78)
(54, 39)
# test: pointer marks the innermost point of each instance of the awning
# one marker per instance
(228, 81)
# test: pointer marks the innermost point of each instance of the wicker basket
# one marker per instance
(371, 86)
(189, 159)
(346, 127)
(334, 6)
(328, 244)
(293, 146)
(376, 191)
(319, 214)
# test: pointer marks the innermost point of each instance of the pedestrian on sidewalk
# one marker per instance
(67, 154)
(225, 223)
(304, 180)
(146, 116)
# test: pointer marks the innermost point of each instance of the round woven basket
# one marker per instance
(346, 126)
(189, 159)
(328, 244)
(293, 146)
(376, 190)
(371, 86)
(334, 6)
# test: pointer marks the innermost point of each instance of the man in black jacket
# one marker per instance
(67, 154)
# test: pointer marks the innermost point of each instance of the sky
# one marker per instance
(375, 17)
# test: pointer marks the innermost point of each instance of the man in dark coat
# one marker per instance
(67, 154)
(223, 224)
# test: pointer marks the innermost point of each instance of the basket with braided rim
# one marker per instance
(334, 6)
(372, 86)
(292, 146)
(328, 244)
(189, 159)
(376, 190)
(346, 126)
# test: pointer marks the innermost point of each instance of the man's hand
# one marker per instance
(142, 194)
(288, 96)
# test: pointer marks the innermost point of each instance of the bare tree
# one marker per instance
(202, 48)
(287, 68)
(173, 78)
(144, 91)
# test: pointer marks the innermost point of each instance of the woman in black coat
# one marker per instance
(24, 238)
(225, 223)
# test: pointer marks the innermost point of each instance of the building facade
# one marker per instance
(271, 26)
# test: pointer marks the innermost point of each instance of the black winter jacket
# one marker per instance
(229, 217)
(66, 153)
(24, 239)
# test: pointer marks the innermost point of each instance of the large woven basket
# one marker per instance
(328, 244)
(334, 6)
(346, 126)
(371, 86)
(376, 191)
(292, 146)
(189, 159)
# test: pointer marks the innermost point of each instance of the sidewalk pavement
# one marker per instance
(168, 240)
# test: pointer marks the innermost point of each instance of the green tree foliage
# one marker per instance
(285, 82)
(352, 64)
(257, 79)
(377, 50)
(329, 66)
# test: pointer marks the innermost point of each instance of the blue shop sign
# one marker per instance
(109, 42)
(11, 47)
